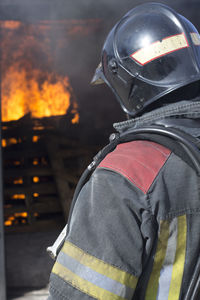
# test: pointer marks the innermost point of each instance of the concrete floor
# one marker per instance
(27, 262)
(21, 294)
(28, 265)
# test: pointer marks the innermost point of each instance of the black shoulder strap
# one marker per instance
(182, 144)
(179, 142)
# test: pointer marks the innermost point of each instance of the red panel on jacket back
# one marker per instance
(138, 161)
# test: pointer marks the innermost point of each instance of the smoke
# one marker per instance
(70, 35)
(51, 9)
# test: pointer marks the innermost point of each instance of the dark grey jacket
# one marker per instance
(135, 228)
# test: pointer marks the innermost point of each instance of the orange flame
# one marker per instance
(36, 179)
(28, 83)
(35, 195)
(35, 139)
(11, 24)
(14, 218)
(18, 180)
(18, 196)
(22, 94)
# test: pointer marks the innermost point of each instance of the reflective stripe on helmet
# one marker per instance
(93, 276)
(166, 277)
(195, 38)
(158, 49)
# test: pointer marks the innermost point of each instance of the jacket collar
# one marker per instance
(184, 115)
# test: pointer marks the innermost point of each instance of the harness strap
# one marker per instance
(182, 144)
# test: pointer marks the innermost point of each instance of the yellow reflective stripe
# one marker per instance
(84, 285)
(152, 288)
(99, 265)
(178, 267)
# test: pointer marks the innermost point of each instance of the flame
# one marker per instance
(18, 196)
(35, 139)
(4, 143)
(36, 179)
(15, 218)
(35, 161)
(76, 115)
(18, 180)
(8, 142)
(35, 195)
(22, 214)
(22, 94)
(31, 81)
(11, 24)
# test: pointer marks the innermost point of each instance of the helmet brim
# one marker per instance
(98, 76)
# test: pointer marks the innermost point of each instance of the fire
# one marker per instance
(23, 93)
(18, 196)
(3, 143)
(36, 179)
(31, 78)
(11, 24)
(18, 180)
(16, 218)
(35, 139)
(35, 161)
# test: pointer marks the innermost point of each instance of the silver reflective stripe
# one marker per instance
(94, 277)
(166, 271)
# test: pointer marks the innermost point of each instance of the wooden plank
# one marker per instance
(74, 153)
(44, 225)
(41, 188)
(64, 191)
(56, 147)
(30, 152)
(14, 209)
(22, 133)
(12, 173)
(32, 171)
(50, 206)
(47, 207)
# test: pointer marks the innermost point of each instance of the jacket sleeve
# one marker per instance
(109, 239)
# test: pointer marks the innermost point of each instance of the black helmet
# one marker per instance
(149, 53)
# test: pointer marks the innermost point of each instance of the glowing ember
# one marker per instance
(36, 179)
(35, 195)
(18, 180)
(17, 163)
(8, 142)
(18, 196)
(16, 218)
(35, 162)
(35, 139)
(22, 214)
(3, 143)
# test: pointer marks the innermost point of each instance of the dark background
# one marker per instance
(97, 106)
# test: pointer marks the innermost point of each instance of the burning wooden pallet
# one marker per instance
(41, 167)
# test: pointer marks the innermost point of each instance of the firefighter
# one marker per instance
(134, 232)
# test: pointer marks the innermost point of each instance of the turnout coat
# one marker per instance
(135, 227)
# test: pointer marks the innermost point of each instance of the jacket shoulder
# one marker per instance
(138, 161)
